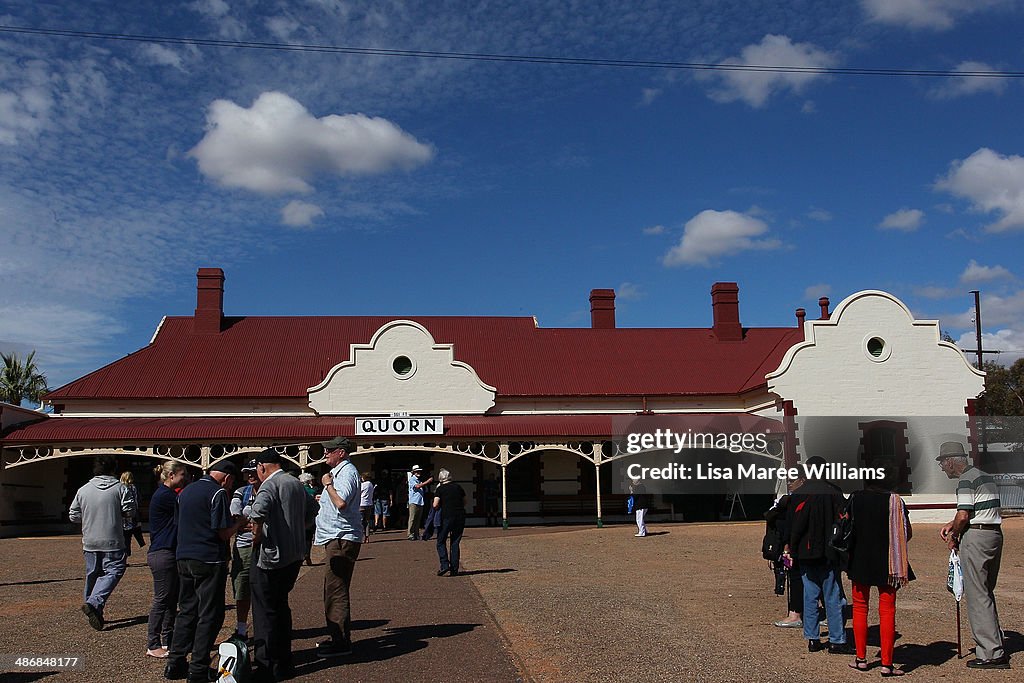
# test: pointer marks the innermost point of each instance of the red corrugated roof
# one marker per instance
(281, 357)
(144, 431)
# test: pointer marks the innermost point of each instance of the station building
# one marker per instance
(539, 410)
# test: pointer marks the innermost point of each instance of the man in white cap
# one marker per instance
(415, 502)
(977, 531)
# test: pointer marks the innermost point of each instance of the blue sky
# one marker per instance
(332, 184)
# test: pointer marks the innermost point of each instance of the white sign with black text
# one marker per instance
(415, 425)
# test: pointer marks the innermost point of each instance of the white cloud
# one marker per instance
(962, 86)
(809, 107)
(815, 292)
(712, 234)
(628, 291)
(933, 14)
(655, 230)
(162, 56)
(299, 214)
(816, 214)
(755, 87)
(935, 292)
(996, 311)
(905, 219)
(219, 12)
(283, 27)
(991, 182)
(1009, 342)
(277, 146)
(979, 273)
(648, 95)
(63, 337)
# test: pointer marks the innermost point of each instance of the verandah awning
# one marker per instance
(301, 429)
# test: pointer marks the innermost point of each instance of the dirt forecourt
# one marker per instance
(691, 602)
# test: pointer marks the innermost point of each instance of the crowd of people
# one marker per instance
(255, 524)
(822, 533)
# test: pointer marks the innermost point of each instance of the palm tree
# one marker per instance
(21, 380)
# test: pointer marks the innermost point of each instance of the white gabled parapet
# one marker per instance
(402, 369)
(834, 372)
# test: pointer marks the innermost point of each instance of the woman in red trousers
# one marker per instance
(878, 558)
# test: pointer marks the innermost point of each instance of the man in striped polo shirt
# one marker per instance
(976, 530)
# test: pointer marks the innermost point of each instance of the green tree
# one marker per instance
(1004, 401)
(21, 380)
(1004, 388)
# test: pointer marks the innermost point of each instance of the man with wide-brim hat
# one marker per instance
(977, 531)
(416, 501)
(339, 529)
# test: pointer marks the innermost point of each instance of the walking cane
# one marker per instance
(959, 642)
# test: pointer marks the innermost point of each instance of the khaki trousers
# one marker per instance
(980, 553)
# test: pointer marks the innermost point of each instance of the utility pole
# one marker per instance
(980, 352)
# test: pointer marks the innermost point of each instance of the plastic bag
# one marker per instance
(955, 576)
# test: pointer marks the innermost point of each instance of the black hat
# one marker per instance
(250, 466)
(227, 467)
(270, 456)
(340, 442)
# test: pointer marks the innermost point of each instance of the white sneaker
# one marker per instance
(639, 535)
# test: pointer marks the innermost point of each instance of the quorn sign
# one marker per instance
(399, 426)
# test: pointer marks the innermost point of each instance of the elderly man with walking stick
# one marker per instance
(977, 531)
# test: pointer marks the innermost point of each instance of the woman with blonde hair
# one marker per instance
(163, 541)
(132, 525)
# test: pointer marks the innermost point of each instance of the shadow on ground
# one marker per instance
(393, 643)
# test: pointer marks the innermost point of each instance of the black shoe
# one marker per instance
(442, 572)
(1001, 663)
(176, 670)
(330, 648)
(95, 618)
(453, 573)
(815, 646)
(841, 649)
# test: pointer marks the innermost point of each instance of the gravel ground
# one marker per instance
(695, 602)
(688, 603)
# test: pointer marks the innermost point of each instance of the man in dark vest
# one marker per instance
(205, 527)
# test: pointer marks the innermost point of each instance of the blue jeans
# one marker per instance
(821, 581)
(450, 528)
(103, 571)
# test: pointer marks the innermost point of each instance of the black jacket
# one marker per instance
(813, 512)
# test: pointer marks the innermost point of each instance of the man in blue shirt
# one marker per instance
(415, 502)
(339, 529)
(204, 528)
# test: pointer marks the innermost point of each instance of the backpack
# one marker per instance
(841, 537)
(771, 544)
(233, 666)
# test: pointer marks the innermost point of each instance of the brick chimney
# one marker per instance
(602, 309)
(823, 302)
(209, 301)
(725, 304)
(801, 315)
